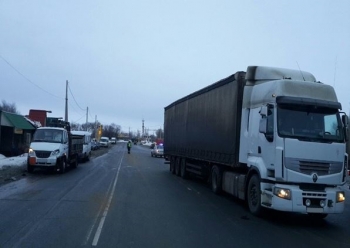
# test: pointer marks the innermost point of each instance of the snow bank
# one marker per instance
(18, 161)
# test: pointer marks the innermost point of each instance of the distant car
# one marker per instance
(104, 142)
(157, 151)
(113, 140)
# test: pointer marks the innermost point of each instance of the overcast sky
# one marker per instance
(127, 60)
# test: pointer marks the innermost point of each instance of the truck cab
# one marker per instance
(293, 135)
(55, 148)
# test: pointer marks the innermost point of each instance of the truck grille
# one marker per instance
(313, 166)
(42, 154)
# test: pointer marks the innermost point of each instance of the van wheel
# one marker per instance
(254, 195)
(216, 180)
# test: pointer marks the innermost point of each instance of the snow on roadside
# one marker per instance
(18, 161)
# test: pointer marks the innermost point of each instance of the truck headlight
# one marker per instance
(282, 193)
(31, 152)
(340, 196)
(55, 152)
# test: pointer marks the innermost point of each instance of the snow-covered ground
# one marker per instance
(18, 161)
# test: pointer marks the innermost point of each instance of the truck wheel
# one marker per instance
(183, 171)
(172, 165)
(254, 195)
(177, 166)
(63, 166)
(76, 162)
(216, 180)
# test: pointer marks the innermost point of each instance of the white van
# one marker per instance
(104, 142)
(85, 156)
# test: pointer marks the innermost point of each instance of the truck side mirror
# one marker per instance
(345, 120)
(263, 111)
(263, 125)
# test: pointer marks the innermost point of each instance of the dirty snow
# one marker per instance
(13, 161)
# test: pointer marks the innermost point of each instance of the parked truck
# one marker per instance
(55, 147)
(270, 136)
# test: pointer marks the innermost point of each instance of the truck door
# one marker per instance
(266, 141)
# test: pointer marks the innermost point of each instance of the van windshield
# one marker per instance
(48, 135)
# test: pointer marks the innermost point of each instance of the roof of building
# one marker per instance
(18, 121)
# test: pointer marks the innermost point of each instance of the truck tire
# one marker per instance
(172, 165)
(76, 162)
(62, 166)
(183, 172)
(177, 167)
(216, 179)
(254, 195)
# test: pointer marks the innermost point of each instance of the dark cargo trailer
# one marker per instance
(205, 125)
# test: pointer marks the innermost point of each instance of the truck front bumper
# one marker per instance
(305, 201)
(42, 162)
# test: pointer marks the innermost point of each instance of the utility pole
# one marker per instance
(143, 128)
(66, 112)
(96, 127)
(87, 111)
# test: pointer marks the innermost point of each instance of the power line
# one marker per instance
(74, 98)
(27, 78)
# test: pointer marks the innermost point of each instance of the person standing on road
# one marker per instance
(129, 146)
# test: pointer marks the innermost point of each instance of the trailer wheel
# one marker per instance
(216, 180)
(254, 195)
(177, 166)
(183, 172)
(172, 165)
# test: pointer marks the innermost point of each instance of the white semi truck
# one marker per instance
(55, 147)
(271, 136)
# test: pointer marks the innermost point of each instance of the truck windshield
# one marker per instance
(309, 123)
(48, 135)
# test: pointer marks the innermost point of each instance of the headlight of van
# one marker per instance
(31, 152)
(55, 152)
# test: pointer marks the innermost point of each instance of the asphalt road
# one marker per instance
(132, 200)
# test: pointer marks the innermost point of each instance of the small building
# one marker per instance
(38, 115)
(16, 132)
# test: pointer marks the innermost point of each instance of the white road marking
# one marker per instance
(102, 221)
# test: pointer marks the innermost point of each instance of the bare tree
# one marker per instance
(9, 107)
(160, 133)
